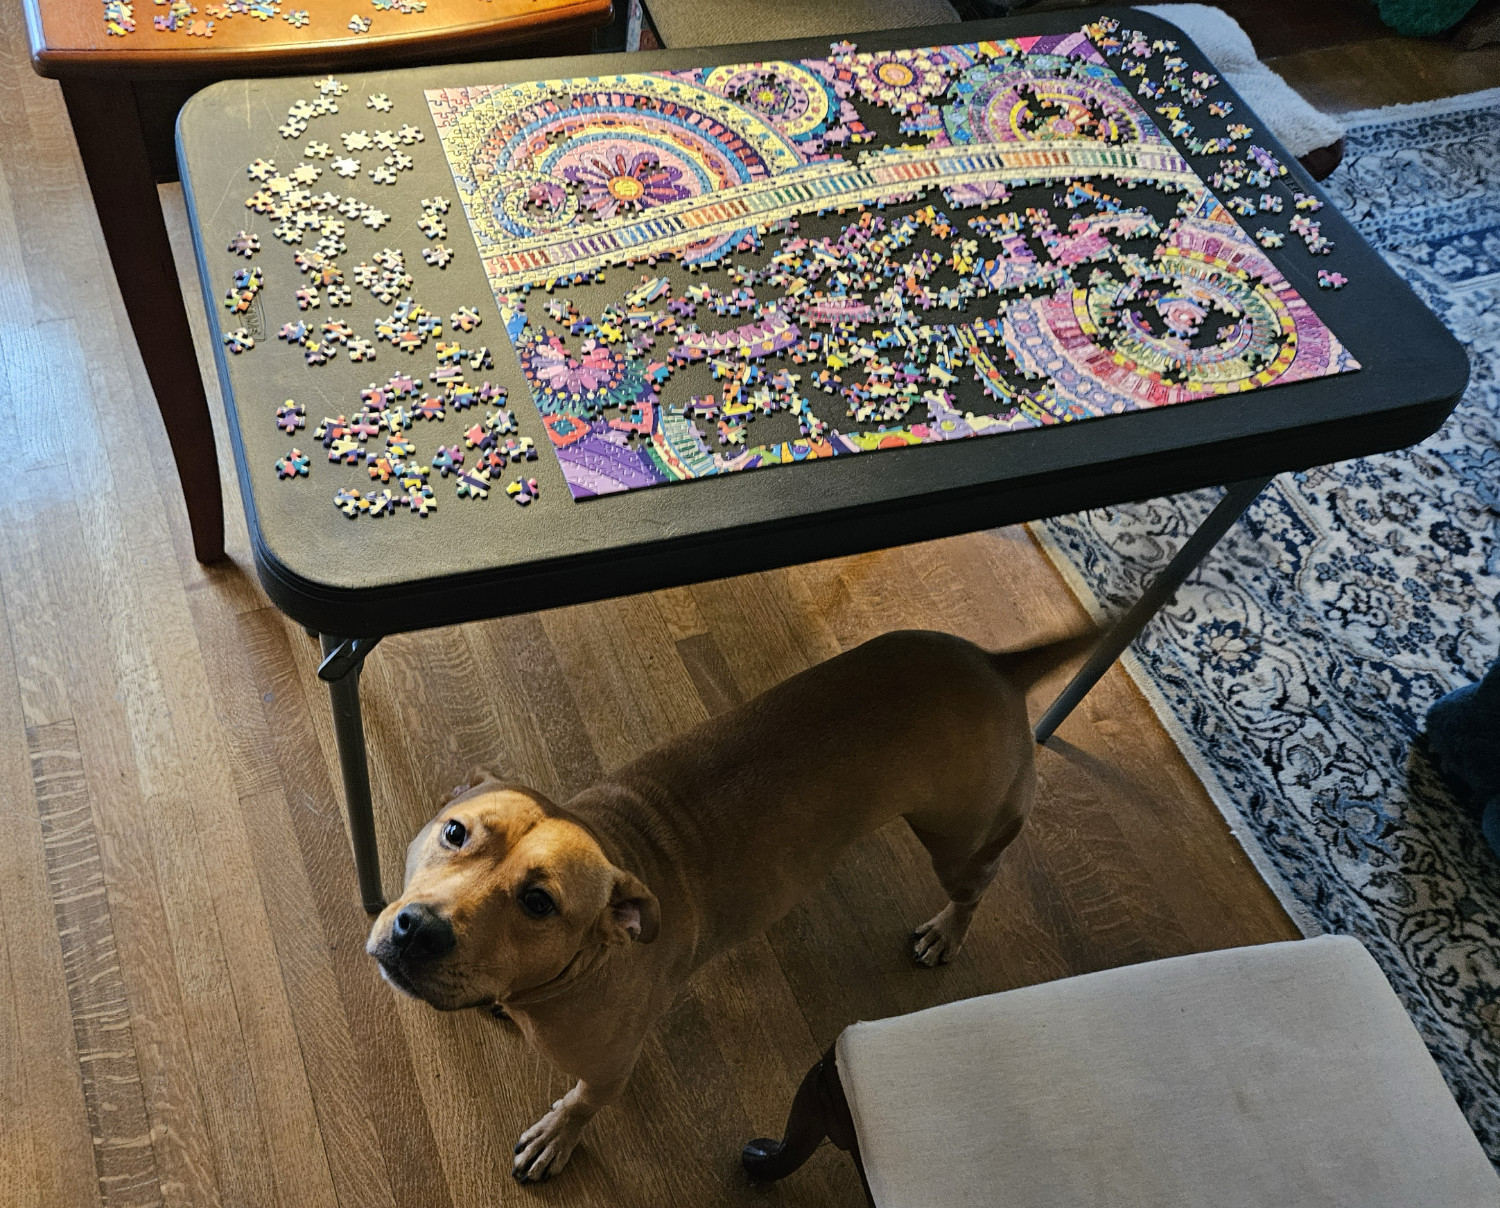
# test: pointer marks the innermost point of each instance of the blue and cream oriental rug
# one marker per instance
(1296, 668)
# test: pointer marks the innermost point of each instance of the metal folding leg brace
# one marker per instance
(1238, 497)
(343, 660)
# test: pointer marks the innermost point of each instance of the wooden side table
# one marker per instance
(123, 93)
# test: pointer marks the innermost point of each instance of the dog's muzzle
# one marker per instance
(418, 937)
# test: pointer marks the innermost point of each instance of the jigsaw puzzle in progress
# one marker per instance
(911, 246)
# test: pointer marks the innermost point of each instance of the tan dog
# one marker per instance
(584, 920)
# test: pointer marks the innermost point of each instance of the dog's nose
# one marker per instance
(419, 930)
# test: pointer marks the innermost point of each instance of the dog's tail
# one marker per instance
(1024, 667)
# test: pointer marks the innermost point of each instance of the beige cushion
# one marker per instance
(704, 23)
(1280, 1076)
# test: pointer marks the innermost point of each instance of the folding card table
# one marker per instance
(1091, 263)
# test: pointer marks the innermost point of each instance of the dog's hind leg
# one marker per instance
(965, 871)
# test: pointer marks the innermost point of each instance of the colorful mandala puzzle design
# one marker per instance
(1085, 270)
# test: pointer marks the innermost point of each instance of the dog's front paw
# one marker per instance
(545, 1147)
(939, 938)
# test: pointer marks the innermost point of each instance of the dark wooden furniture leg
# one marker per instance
(112, 144)
(819, 1110)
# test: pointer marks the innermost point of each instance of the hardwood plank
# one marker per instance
(123, 1155)
(540, 741)
(46, 1144)
(638, 693)
(397, 1112)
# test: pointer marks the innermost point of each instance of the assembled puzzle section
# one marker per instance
(911, 246)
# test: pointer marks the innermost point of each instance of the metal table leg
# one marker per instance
(1237, 499)
(343, 660)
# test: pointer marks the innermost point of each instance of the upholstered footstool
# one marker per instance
(1283, 1076)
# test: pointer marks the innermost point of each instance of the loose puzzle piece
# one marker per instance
(294, 464)
(447, 460)
(465, 319)
(239, 340)
(1328, 280)
(522, 490)
(379, 101)
(438, 256)
(421, 500)
(359, 25)
(351, 503)
(244, 244)
(473, 484)
(290, 416)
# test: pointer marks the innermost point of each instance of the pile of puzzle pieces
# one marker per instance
(377, 435)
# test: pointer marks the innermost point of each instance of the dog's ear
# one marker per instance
(478, 777)
(633, 912)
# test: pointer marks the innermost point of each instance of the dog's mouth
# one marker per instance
(391, 971)
(439, 997)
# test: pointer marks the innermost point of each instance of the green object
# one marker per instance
(1423, 18)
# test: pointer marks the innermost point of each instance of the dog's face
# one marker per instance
(501, 895)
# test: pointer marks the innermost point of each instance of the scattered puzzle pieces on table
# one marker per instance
(239, 340)
(359, 25)
(379, 102)
(465, 319)
(1328, 280)
(244, 244)
(245, 284)
(438, 256)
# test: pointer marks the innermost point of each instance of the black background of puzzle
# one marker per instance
(485, 558)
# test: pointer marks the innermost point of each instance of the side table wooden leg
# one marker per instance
(113, 149)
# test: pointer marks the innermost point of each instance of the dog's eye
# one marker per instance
(454, 833)
(538, 903)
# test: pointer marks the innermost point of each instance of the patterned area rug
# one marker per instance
(1297, 666)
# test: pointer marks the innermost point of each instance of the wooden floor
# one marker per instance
(187, 1016)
